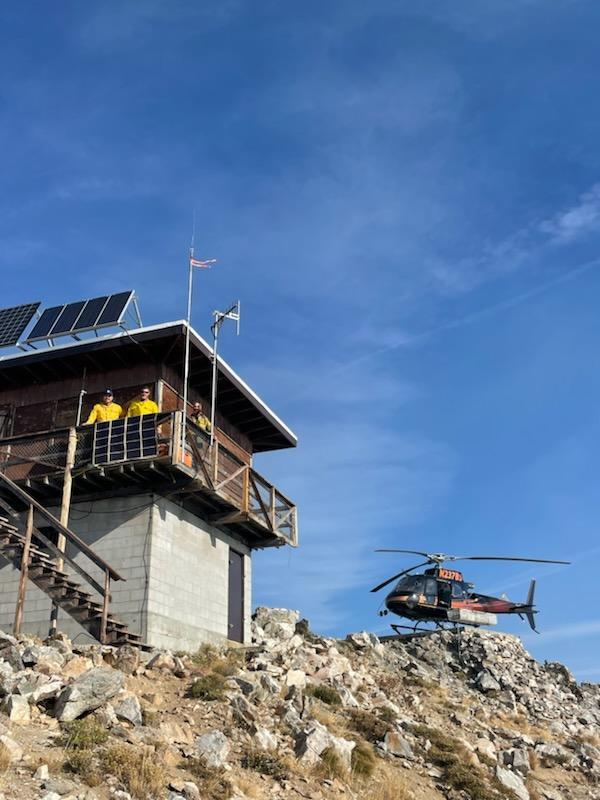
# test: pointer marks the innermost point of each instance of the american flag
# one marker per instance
(194, 262)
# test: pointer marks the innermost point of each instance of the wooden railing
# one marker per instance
(13, 492)
(43, 457)
(244, 488)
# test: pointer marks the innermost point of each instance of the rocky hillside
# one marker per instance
(296, 716)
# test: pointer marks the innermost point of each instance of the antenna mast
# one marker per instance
(193, 262)
(233, 313)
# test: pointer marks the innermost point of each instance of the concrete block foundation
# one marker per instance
(176, 565)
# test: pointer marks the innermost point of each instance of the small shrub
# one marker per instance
(85, 734)
(363, 760)
(458, 773)
(331, 765)
(5, 759)
(212, 782)
(387, 715)
(208, 687)
(230, 663)
(84, 763)
(326, 694)
(149, 717)
(138, 770)
(205, 656)
(368, 725)
(265, 763)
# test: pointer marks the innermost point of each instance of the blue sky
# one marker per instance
(407, 202)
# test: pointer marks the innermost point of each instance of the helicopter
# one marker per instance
(442, 596)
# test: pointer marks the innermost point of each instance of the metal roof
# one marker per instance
(164, 344)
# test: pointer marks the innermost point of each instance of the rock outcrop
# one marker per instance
(297, 715)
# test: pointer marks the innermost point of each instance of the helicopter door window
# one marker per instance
(444, 594)
(430, 591)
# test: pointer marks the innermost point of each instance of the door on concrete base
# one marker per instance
(236, 597)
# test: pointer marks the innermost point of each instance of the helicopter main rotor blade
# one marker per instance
(505, 558)
(399, 575)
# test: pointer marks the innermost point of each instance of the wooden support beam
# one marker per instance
(24, 573)
(65, 507)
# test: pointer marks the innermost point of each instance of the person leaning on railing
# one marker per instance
(199, 418)
(105, 411)
(143, 405)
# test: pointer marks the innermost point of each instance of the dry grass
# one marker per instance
(247, 787)
(331, 766)
(139, 770)
(386, 784)
(5, 760)
(588, 738)
(211, 781)
(336, 723)
(209, 658)
(520, 723)
(363, 760)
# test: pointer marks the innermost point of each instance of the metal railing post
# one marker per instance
(24, 573)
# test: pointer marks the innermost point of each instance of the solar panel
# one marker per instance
(84, 315)
(45, 323)
(114, 309)
(91, 312)
(13, 322)
(68, 318)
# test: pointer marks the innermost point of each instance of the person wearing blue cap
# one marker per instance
(106, 410)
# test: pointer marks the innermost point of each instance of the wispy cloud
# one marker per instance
(580, 220)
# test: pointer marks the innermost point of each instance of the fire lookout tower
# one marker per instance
(139, 529)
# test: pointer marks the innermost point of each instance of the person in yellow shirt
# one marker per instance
(143, 405)
(105, 411)
(201, 420)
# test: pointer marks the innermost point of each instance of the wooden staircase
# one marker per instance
(17, 547)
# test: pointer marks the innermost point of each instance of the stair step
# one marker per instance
(57, 584)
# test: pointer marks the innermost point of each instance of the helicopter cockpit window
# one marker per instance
(411, 584)
(458, 590)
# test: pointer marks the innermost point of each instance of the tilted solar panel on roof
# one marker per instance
(84, 315)
(113, 311)
(91, 312)
(45, 322)
(13, 322)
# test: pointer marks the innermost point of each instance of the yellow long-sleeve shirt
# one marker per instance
(102, 412)
(139, 407)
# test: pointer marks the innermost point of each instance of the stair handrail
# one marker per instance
(68, 534)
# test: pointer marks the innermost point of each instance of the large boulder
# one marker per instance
(213, 748)
(128, 709)
(88, 692)
(513, 781)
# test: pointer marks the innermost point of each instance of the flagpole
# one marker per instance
(186, 367)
